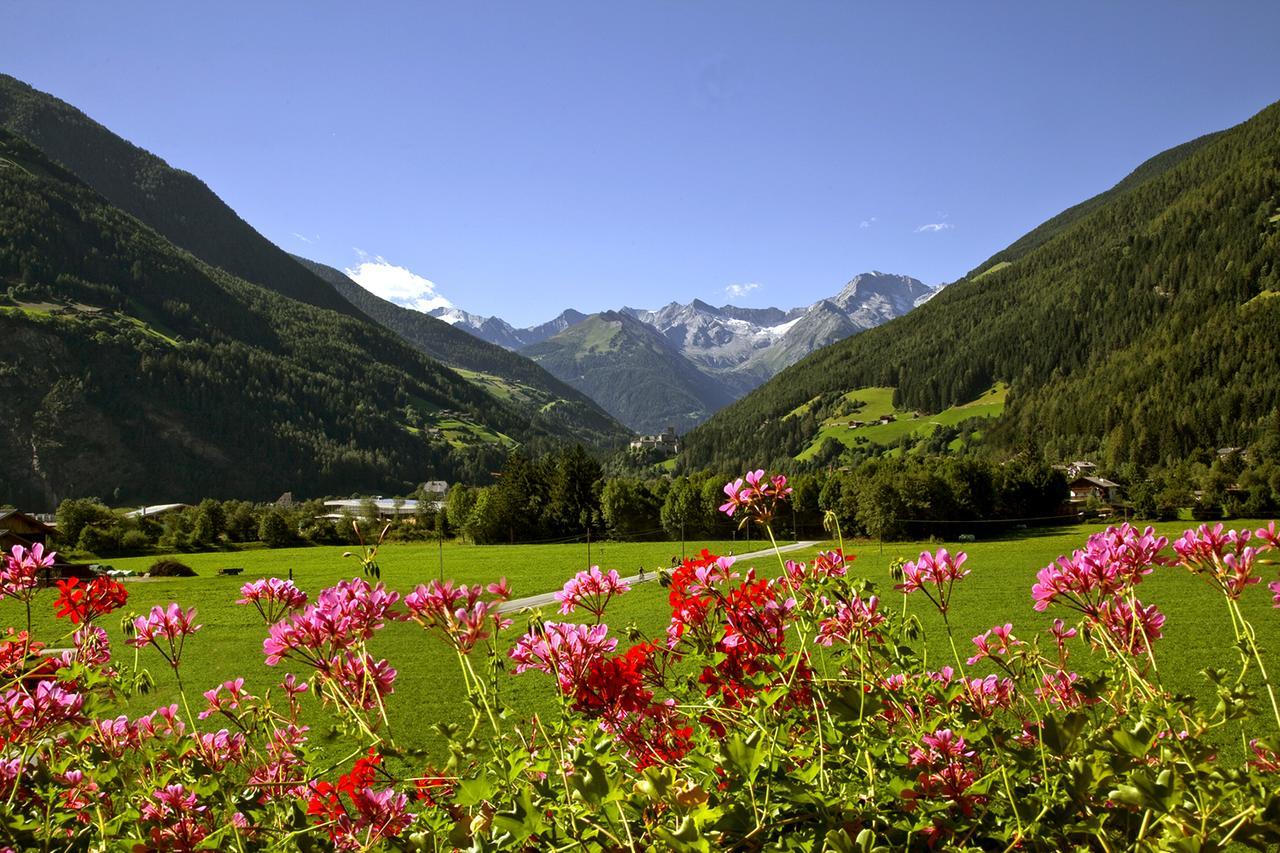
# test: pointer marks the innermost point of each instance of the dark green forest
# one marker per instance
(130, 369)
(1139, 327)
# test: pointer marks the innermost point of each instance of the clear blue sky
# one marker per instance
(531, 156)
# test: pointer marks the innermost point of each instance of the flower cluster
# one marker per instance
(356, 816)
(178, 820)
(1111, 563)
(997, 641)
(272, 597)
(20, 568)
(856, 619)
(947, 768)
(459, 613)
(166, 628)
(342, 616)
(934, 575)
(1225, 557)
(82, 603)
(591, 590)
(756, 496)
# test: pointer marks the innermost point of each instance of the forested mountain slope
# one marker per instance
(175, 203)
(132, 370)
(631, 370)
(1141, 328)
(547, 400)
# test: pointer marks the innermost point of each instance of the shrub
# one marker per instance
(134, 542)
(169, 568)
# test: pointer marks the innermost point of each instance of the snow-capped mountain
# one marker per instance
(738, 348)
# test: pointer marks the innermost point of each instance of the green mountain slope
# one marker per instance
(1139, 327)
(176, 204)
(132, 370)
(632, 371)
(548, 401)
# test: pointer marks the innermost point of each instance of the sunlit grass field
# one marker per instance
(1197, 634)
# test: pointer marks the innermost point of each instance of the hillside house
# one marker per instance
(665, 440)
(21, 528)
(886, 419)
(1081, 489)
(856, 424)
(437, 488)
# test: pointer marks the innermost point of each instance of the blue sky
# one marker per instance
(527, 157)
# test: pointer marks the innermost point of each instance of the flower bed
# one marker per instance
(791, 712)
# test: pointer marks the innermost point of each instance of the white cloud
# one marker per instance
(867, 223)
(935, 226)
(304, 238)
(737, 291)
(396, 284)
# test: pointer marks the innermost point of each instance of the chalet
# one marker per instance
(22, 528)
(856, 424)
(886, 419)
(665, 440)
(1082, 489)
(438, 488)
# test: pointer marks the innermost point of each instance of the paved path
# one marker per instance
(546, 598)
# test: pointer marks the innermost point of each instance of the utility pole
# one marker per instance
(682, 540)
(440, 540)
(588, 546)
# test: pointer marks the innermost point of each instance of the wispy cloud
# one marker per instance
(304, 238)
(867, 223)
(935, 226)
(396, 284)
(737, 291)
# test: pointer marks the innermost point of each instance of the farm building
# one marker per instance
(21, 528)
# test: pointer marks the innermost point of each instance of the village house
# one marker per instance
(437, 488)
(1082, 489)
(665, 440)
(22, 528)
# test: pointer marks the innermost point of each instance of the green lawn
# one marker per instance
(1197, 633)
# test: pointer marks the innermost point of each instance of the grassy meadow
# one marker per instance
(878, 402)
(1197, 634)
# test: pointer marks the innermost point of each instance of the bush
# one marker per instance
(169, 568)
(99, 539)
(274, 529)
(134, 542)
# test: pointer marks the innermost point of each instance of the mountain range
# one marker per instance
(1137, 327)
(682, 362)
